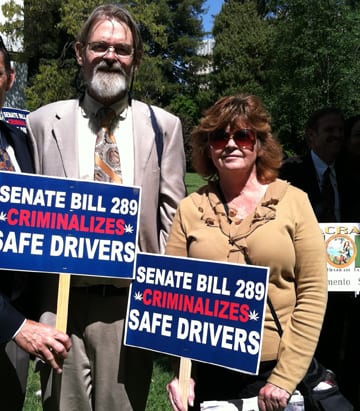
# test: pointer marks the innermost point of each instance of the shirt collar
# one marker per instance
(320, 164)
(89, 106)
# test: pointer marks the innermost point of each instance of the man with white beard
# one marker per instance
(100, 373)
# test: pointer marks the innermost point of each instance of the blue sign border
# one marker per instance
(203, 310)
(56, 225)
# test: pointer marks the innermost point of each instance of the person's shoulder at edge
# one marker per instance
(137, 104)
(56, 106)
(16, 130)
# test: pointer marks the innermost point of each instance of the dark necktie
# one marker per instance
(328, 198)
(107, 157)
(5, 161)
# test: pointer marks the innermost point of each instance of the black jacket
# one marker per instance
(301, 173)
(16, 298)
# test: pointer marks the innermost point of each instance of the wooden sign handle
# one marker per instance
(184, 379)
(63, 302)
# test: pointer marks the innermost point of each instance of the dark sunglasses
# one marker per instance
(244, 138)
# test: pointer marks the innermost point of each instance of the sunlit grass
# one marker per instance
(32, 401)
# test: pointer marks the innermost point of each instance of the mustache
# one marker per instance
(113, 68)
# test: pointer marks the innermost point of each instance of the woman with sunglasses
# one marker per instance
(246, 215)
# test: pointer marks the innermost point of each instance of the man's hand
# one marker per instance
(45, 342)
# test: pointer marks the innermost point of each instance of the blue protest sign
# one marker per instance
(50, 224)
(203, 310)
(15, 116)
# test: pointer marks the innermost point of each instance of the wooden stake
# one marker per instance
(184, 379)
(63, 302)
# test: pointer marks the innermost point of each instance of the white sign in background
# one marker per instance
(342, 241)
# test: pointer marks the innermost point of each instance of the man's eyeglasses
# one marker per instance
(100, 48)
(244, 138)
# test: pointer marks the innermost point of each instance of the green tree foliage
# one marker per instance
(49, 53)
(13, 26)
(297, 55)
(45, 88)
(315, 63)
(171, 33)
(189, 116)
(242, 41)
(171, 30)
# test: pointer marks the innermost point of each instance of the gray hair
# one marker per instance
(110, 12)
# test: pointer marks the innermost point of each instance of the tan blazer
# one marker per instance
(51, 129)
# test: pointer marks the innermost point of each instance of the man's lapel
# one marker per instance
(143, 139)
(64, 132)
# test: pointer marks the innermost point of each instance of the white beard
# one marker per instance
(108, 84)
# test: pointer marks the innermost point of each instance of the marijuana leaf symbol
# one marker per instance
(3, 216)
(253, 315)
(129, 228)
(138, 296)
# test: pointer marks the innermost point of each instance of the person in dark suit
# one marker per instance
(101, 373)
(324, 133)
(20, 335)
(325, 136)
(31, 336)
(350, 162)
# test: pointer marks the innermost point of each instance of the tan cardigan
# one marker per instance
(283, 234)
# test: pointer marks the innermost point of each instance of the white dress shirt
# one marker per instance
(86, 136)
(122, 131)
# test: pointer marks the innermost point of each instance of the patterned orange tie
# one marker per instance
(5, 161)
(107, 157)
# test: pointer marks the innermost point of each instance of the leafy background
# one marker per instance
(296, 55)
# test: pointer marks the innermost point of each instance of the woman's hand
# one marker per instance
(272, 398)
(174, 394)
